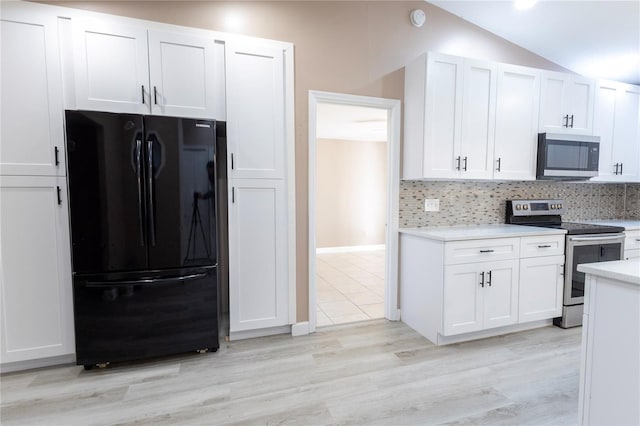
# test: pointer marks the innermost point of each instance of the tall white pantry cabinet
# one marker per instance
(258, 240)
(35, 275)
(55, 58)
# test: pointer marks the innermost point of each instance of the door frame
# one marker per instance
(391, 311)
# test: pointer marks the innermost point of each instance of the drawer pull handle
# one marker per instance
(487, 251)
(637, 239)
(545, 246)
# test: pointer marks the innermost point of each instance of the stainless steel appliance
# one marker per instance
(585, 243)
(567, 157)
(145, 234)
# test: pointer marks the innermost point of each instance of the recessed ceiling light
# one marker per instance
(524, 4)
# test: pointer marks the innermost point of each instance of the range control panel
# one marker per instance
(535, 207)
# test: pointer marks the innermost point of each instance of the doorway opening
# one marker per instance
(353, 192)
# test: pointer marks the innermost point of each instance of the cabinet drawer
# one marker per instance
(632, 240)
(481, 250)
(542, 245)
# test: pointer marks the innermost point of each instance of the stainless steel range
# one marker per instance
(585, 243)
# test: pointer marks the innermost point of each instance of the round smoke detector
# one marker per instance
(417, 18)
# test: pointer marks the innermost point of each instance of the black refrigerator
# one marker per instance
(146, 234)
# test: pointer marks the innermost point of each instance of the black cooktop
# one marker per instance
(575, 228)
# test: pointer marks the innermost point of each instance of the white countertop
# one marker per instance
(458, 233)
(627, 224)
(619, 270)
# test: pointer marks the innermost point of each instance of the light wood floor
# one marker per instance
(370, 373)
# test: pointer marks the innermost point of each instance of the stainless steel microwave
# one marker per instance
(567, 157)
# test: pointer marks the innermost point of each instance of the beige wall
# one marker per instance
(351, 193)
(354, 47)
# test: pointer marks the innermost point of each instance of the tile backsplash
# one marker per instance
(480, 203)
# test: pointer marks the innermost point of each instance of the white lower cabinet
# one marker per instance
(35, 280)
(541, 283)
(632, 244)
(258, 283)
(478, 296)
(461, 290)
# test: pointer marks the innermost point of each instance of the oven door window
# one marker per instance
(582, 254)
(590, 254)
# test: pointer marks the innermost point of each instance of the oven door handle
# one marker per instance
(597, 239)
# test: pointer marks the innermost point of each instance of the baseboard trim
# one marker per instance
(263, 332)
(348, 249)
(300, 329)
(37, 363)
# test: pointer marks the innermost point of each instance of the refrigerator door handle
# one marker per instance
(151, 215)
(146, 281)
(139, 182)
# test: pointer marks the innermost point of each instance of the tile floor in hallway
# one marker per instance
(350, 286)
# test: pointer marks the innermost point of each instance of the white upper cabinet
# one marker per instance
(442, 116)
(111, 67)
(516, 132)
(129, 69)
(32, 104)
(183, 73)
(478, 119)
(617, 122)
(255, 111)
(566, 103)
(449, 118)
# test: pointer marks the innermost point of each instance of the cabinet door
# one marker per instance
(258, 286)
(462, 309)
(183, 71)
(566, 104)
(31, 106)
(500, 294)
(111, 67)
(35, 280)
(553, 108)
(255, 111)
(617, 122)
(516, 140)
(443, 116)
(626, 136)
(580, 98)
(478, 119)
(541, 281)
(604, 126)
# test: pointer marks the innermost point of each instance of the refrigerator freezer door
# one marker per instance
(180, 156)
(145, 317)
(106, 191)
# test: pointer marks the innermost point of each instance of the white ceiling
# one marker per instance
(595, 38)
(352, 123)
